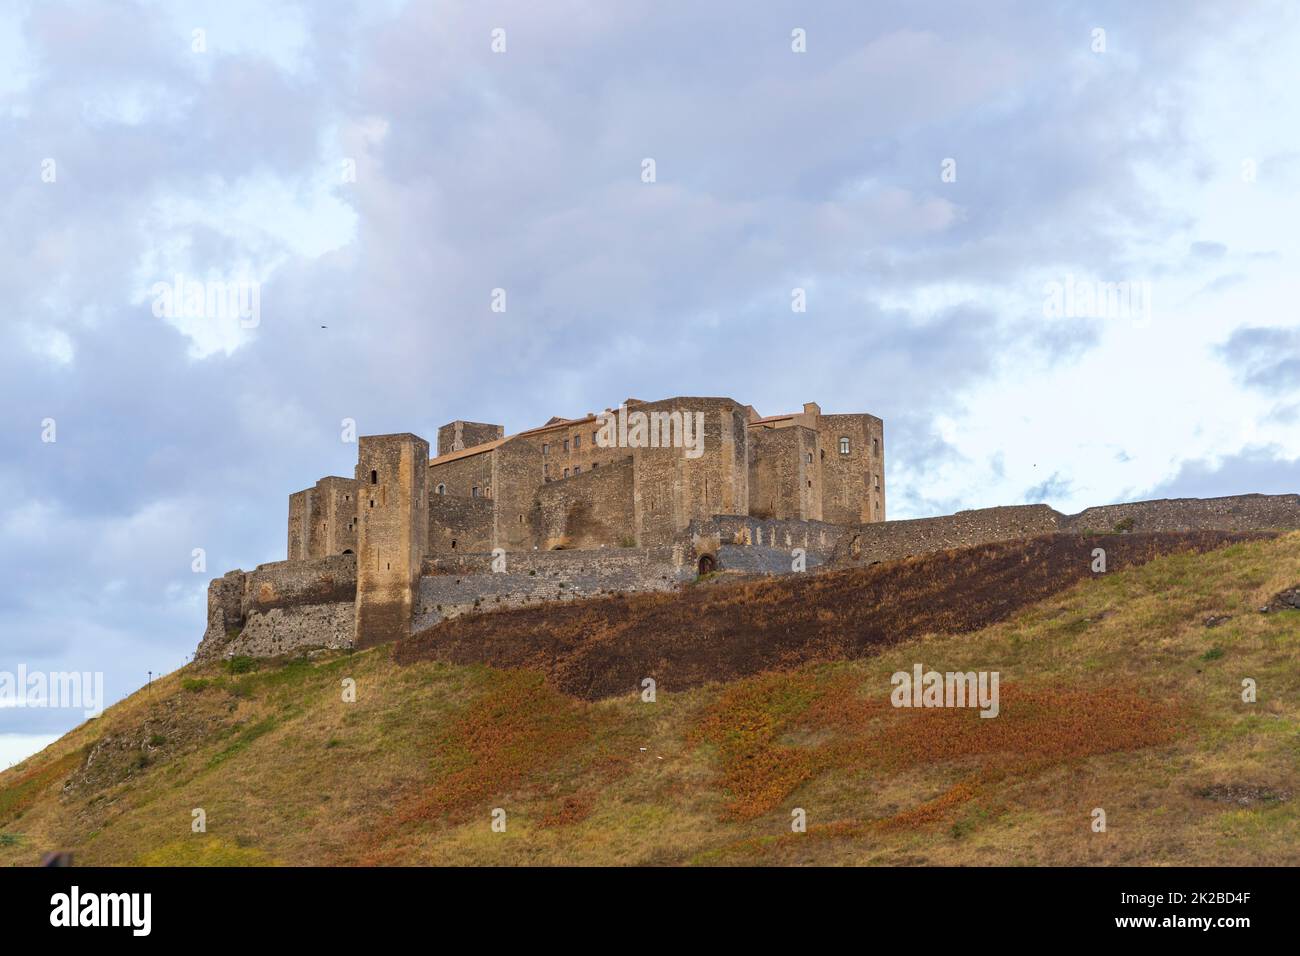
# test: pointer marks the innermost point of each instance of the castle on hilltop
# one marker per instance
(633, 477)
(645, 497)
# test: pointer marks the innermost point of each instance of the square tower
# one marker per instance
(393, 529)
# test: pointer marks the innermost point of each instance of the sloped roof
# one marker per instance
(553, 425)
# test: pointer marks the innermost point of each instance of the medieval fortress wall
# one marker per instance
(584, 507)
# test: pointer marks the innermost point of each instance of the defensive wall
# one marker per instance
(289, 606)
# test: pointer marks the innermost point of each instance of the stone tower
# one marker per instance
(393, 529)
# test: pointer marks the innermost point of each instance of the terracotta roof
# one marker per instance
(772, 418)
(498, 442)
(466, 452)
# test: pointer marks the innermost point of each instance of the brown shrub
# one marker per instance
(606, 646)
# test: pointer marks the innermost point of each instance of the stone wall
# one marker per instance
(392, 472)
(458, 435)
(333, 524)
(671, 490)
(722, 536)
(764, 559)
(291, 605)
(283, 584)
(460, 524)
(517, 473)
(288, 630)
(890, 540)
(853, 484)
(461, 476)
(586, 510)
(785, 473)
(899, 539)
(453, 585)
(300, 502)
(1233, 513)
(280, 604)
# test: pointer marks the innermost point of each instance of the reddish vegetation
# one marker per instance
(1035, 730)
(514, 730)
(23, 792)
(603, 647)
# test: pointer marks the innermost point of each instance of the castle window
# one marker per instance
(566, 444)
(546, 448)
(875, 447)
(844, 446)
(374, 477)
(595, 464)
(810, 458)
(577, 469)
(453, 543)
(566, 473)
(809, 482)
(442, 489)
(521, 519)
(546, 468)
(877, 481)
(593, 438)
(577, 442)
(473, 492)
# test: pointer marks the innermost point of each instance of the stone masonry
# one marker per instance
(642, 498)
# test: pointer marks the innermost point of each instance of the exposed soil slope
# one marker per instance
(604, 647)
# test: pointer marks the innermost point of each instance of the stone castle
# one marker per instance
(640, 498)
(634, 477)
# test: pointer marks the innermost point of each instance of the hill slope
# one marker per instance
(1115, 695)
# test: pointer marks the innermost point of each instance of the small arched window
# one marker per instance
(844, 446)
(442, 489)
(374, 477)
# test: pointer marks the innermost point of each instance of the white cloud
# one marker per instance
(15, 748)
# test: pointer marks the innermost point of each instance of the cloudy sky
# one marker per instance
(932, 175)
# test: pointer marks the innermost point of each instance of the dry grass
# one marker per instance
(1110, 699)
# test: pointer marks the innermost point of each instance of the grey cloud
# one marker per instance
(1257, 469)
(520, 171)
(1266, 358)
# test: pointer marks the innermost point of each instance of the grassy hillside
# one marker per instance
(1115, 694)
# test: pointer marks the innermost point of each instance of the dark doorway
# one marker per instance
(707, 564)
(347, 550)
